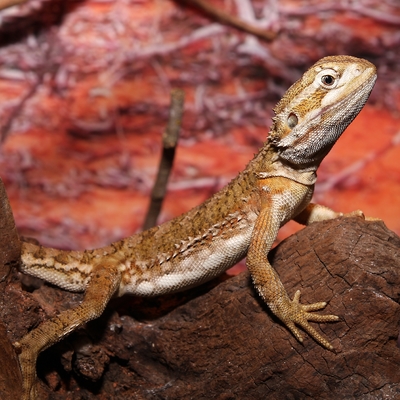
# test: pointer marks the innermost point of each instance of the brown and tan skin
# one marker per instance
(241, 219)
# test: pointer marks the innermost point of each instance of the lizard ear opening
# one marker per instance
(292, 120)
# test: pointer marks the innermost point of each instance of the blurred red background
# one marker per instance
(84, 99)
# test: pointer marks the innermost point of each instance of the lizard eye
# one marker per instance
(292, 120)
(328, 81)
(327, 78)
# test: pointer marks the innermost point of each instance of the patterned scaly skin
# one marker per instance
(241, 219)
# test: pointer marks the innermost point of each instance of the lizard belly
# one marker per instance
(190, 268)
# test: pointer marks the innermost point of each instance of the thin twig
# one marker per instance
(363, 10)
(5, 129)
(170, 139)
(231, 20)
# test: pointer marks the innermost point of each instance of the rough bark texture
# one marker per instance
(220, 342)
(10, 250)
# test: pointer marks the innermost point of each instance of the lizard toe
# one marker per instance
(295, 313)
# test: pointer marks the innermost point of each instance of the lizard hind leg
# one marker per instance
(105, 281)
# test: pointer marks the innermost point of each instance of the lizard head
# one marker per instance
(317, 108)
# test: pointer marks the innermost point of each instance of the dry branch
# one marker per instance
(170, 140)
(231, 20)
(6, 128)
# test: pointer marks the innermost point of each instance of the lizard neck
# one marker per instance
(268, 164)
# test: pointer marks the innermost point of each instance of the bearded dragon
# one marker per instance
(241, 219)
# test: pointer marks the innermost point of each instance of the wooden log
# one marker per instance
(220, 341)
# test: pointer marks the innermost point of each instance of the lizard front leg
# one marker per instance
(265, 278)
(104, 282)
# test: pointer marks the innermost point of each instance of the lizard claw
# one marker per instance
(299, 314)
(373, 219)
(355, 213)
(359, 213)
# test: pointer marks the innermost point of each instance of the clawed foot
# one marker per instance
(27, 361)
(299, 314)
(30, 394)
(359, 213)
(355, 213)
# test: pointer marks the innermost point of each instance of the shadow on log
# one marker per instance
(220, 342)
